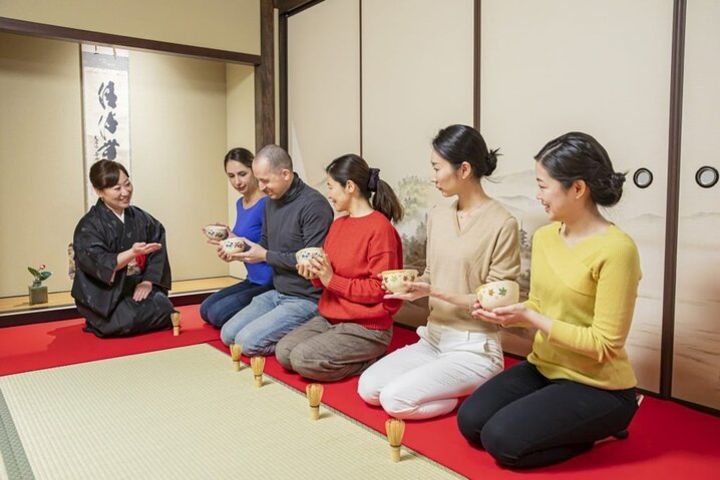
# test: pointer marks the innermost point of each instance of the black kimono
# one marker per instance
(103, 296)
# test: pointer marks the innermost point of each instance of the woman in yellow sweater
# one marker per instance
(577, 385)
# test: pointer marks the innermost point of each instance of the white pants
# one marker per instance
(425, 379)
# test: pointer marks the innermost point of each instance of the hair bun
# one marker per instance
(491, 159)
(617, 180)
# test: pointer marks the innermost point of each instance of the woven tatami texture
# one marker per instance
(185, 414)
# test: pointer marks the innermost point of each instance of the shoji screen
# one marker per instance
(417, 77)
(417, 59)
(323, 85)
(553, 66)
(696, 367)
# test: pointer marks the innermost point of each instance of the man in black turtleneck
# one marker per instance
(296, 216)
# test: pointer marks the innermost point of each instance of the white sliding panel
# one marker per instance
(323, 86)
(554, 66)
(696, 363)
(417, 77)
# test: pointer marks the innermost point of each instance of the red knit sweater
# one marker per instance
(359, 249)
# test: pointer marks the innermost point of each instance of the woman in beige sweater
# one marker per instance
(470, 242)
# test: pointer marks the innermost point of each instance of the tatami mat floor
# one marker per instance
(666, 439)
(143, 416)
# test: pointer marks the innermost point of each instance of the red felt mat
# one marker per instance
(45, 345)
(666, 439)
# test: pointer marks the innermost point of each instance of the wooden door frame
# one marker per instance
(673, 197)
(44, 30)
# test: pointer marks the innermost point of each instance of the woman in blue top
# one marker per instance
(219, 307)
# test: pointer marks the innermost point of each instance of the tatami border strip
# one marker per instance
(11, 448)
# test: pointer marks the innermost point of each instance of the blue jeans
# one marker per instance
(219, 307)
(268, 318)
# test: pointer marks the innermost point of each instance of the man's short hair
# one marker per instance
(276, 156)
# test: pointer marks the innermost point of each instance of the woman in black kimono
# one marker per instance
(123, 274)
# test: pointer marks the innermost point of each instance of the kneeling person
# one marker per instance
(296, 216)
(354, 327)
(123, 274)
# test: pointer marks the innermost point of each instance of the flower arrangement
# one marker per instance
(40, 275)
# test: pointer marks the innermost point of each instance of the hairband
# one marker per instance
(373, 179)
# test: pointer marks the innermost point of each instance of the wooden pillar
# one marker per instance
(265, 79)
(673, 197)
(283, 93)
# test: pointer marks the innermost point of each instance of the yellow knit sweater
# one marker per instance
(589, 292)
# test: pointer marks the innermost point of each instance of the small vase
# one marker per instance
(38, 294)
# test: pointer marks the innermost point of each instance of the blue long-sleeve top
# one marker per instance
(249, 224)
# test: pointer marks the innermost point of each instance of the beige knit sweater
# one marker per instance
(459, 261)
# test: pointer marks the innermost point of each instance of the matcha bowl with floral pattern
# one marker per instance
(233, 245)
(304, 256)
(498, 294)
(216, 232)
(396, 280)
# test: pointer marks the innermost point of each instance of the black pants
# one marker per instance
(525, 420)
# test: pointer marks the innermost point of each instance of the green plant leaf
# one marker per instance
(33, 271)
(45, 275)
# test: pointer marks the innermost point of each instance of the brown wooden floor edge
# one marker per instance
(56, 300)
(66, 313)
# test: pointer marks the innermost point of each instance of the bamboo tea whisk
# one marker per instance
(314, 393)
(235, 352)
(258, 365)
(175, 319)
(395, 429)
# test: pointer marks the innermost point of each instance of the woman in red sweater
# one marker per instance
(354, 325)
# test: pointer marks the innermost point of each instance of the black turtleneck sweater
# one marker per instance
(300, 218)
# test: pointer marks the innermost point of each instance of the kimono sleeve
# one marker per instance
(92, 252)
(157, 268)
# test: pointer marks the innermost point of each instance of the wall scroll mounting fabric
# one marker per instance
(106, 108)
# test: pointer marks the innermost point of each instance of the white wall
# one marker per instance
(240, 133)
(222, 24)
(184, 114)
(178, 132)
(41, 159)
